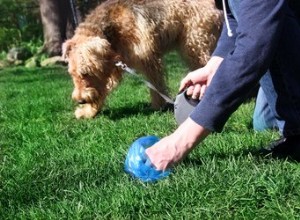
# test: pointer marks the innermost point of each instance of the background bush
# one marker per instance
(20, 22)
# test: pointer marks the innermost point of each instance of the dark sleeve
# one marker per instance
(295, 6)
(258, 33)
(225, 43)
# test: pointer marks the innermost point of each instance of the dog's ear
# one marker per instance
(95, 45)
(92, 55)
(66, 48)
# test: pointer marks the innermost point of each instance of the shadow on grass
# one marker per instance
(192, 162)
(140, 108)
(257, 153)
(35, 74)
(53, 185)
(197, 161)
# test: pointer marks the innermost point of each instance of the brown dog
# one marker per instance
(138, 33)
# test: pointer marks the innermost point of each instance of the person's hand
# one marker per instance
(172, 149)
(197, 81)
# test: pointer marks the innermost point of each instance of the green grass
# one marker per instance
(53, 166)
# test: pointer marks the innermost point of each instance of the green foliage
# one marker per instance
(8, 36)
(33, 46)
(53, 166)
(20, 22)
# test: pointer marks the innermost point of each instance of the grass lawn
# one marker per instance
(53, 166)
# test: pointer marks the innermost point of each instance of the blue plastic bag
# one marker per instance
(138, 164)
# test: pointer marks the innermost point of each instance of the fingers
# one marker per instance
(190, 90)
(195, 82)
(196, 91)
(185, 82)
(202, 91)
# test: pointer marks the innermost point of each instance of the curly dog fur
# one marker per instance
(138, 33)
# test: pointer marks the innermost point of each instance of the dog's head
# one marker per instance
(91, 64)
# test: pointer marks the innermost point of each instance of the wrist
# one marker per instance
(214, 63)
(190, 134)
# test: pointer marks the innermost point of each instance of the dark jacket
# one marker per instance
(247, 56)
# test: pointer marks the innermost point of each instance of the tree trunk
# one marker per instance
(58, 24)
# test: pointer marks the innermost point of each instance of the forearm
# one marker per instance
(172, 149)
(188, 135)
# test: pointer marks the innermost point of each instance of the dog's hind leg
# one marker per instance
(154, 73)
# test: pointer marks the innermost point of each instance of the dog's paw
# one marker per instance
(86, 111)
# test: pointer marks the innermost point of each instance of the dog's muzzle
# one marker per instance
(81, 101)
(183, 106)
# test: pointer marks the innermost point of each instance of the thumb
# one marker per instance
(185, 82)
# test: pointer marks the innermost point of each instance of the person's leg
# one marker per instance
(265, 115)
(263, 118)
(285, 74)
(281, 87)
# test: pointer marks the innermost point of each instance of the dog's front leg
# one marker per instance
(86, 111)
(90, 103)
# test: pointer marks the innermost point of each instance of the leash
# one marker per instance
(132, 72)
(74, 13)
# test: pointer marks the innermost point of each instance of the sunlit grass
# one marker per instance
(53, 166)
